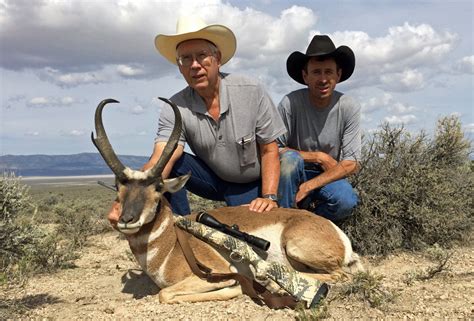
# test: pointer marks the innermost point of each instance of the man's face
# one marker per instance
(199, 65)
(321, 78)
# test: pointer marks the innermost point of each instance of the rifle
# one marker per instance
(299, 286)
(112, 187)
(233, 230)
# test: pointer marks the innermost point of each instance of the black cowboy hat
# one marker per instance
(321, 45)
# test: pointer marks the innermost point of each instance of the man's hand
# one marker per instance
(326, 161)
(114, 214)
(261, 205)
(341, 170)
(303, 191)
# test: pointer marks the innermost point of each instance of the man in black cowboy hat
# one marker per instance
(323, 142)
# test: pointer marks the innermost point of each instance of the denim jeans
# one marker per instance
(335, 200)
(203, 182)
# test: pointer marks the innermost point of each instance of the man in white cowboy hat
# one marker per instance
(323, 143)
(229, 123)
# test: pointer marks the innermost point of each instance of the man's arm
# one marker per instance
(157, 151)
(270, 177)
(333, 171)
(324, 160)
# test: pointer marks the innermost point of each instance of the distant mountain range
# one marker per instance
(64, 165)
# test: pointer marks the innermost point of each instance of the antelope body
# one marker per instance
(299, 239)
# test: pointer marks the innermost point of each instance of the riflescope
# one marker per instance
(233, 230)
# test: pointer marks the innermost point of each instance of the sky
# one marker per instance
(59, 59)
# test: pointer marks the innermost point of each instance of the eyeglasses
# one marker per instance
(201, 57)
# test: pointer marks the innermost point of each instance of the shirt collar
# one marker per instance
(198, 105)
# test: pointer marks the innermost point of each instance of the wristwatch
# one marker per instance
(272, 197)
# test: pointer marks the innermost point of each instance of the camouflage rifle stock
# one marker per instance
(301, 287)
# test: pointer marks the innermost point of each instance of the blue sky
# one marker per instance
(58, 59)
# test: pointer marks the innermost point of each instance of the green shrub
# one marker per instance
(76, 222)
(25, 246)
(14, 197)
(369, 287)
(414, 191)
(319, 312)
(441, 259)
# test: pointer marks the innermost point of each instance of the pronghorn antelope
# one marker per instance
(299, 239)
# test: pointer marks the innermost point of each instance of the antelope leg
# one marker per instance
(194, 289)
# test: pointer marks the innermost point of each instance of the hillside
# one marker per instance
(63, 165)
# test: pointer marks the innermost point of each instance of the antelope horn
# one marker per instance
(103, 145)
(172, 141)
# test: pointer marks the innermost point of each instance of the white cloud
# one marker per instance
(130, 71)
(401, 108)
(405, 119)
(398, 60)
(469, 128)
(407, 80)
(385, 101)
(408, 45)
(465, 65)
(32, 133)
(376, 103)
(290, 30)
(104, 74)
(40, 101)
(72, 79)
(138, 109)
(73, 132)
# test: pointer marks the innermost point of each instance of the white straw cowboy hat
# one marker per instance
(189, 28)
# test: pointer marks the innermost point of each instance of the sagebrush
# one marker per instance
(44, 234)
(415, 191)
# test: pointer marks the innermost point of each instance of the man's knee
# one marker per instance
(181, 167)
(338, 202)
(290, 162)
(345, 207)
(348, 201)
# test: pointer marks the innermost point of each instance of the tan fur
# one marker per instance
(307, 242)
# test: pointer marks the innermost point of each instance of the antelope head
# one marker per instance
(139, 192)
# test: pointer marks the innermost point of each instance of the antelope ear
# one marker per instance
(173, 185)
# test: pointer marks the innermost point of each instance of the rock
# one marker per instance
(109, 310)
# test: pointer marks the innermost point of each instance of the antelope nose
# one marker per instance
(126, 218)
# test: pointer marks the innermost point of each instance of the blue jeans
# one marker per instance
(203, 182)
(335, 200)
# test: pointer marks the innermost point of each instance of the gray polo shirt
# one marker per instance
(334, 130)
(228, 146)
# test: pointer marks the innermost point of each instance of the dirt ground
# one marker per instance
(107, 284)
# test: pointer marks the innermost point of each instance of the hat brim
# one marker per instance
(219, 35)
(343, 55)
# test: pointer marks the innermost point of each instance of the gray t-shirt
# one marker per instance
(334, 130)
(229, 146)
